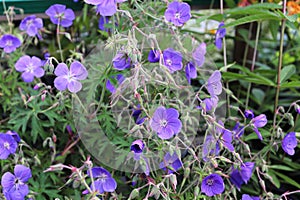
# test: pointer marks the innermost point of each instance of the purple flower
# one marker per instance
(212, 184)
(199, 54)
(120, 78)
(105, 7)
(246, 171)
(121, 61)
(60, 15)
(70, 79)
(104, 182)
(258, 122)
(102, 22)
(154, 56)
(289, 143)
(9, 43)
(8, 145)
(137, 115)
(15, 135)
(178, 13)
(297, 108)
(226, 137)
(190, 72)
(171, 163)
(236, 178)
(211, 103)
(220, 34)
(237, 130)
(239, 177)
(172, 60)
(14, 185)
(137, 146)
(31, 25)
(249, 114)
(165, 122)
(214, 85)
(248, 197)
(211, 147)
(30, 68)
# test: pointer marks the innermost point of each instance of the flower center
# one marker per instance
(102, 177)
(6, 145)
(169, 62)
(210, 182)
(60, 16)
(29, 22)
(8, 43)
(30, 68)
(163, 123)
(177, 16)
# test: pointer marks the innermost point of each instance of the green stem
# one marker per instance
(279, 69)
(225, 61)
(58, 42)
(253, 62)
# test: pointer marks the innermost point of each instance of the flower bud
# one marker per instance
(36, 87)
(173, 180)
(187, 172)
(196, 192)
(43, 97)
(297, 108)
(135, 193)
(57, 167)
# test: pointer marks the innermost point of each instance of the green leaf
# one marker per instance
(287, 72)
(281, 167)
(290, 84)
(274, 179)
(274, 26)
(230, 3)
(258, 94)
(252, 18)
(287, 179)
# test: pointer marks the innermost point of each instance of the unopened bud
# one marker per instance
(43, 97)
(54, 138)
(214, 162)
(297, 108)
(36, 87)
(173, 180)
(187, 172)
(290, 118)
(263, 185)
(76, 184)
(57, 167)
(135, 193)
(196, 191)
